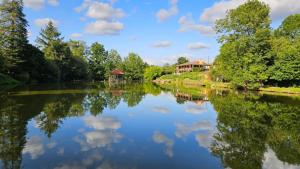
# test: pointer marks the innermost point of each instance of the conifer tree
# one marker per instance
(13, 36)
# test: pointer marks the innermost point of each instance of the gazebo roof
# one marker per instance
(117, 72)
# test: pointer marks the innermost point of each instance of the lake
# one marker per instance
(144, 126)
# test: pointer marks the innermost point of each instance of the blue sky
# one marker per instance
(158, 30)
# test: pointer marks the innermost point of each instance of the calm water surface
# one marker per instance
(142, 126)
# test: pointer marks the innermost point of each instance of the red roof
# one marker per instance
(117, 72)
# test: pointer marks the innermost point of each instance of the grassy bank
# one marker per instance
(201, 79)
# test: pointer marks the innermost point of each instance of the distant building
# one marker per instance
(116, 75)
(198, 65)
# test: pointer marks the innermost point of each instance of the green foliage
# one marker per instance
(39, 69)
(286, 66)
(168, 69)
(13, 35)
(182, 60)
(133, 66)
(245, 35)
(97, 61)
(290, 27)
(114, 61)
(152, 72)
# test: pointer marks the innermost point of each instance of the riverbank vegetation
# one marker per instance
(252, 54)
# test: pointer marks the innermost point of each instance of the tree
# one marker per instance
(290, 27)
(97, 61)
(78, 62)
(51, 43)
(78, 49)
(114, 61)
(133, 66)
(285, 52)
(152, 72)
(245, 35)
(38, 67)
(182, 60)
(55, 50)
(13, 35)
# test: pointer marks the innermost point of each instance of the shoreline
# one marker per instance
(221, 85)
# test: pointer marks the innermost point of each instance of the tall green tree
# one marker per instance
(290, 27)
(133, 65)
(78, 49)
(78, 62)
(285, 70)
(114, 61)
(244, 35)
(51, 43)
(182, 60)
(97, 61)
(13, 35)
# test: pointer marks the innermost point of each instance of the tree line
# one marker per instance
(53, 59)
(252, 54)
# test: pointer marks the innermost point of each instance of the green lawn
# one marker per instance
(184, 76)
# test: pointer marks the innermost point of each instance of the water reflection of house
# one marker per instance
(196, 99)
(198, 65)
(116, 92)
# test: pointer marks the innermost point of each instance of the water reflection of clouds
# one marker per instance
(203, 139)
(162, 139)
(183, 130)
(34, 147)
(104, 134)
(161, 109)
(103, 122)
(272, 162)
(195, 109)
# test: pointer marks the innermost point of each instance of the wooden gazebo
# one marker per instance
(116, 75)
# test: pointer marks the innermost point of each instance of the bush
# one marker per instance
(152, 72)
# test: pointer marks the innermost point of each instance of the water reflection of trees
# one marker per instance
(50, 110)
(248, 125)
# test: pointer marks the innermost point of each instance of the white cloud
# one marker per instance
(279, 9)
(162, 139)
(164, 14)
(53, 2)
(105, 15)
(39, 4)
(34, 147)
(104, 11)
(44, 21)
(197, 45)
(162, 44)
(102, 27)
(187, 23)
(76, 35)
(34, 4)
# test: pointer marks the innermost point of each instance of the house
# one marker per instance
(116, 75)
(198, 65)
